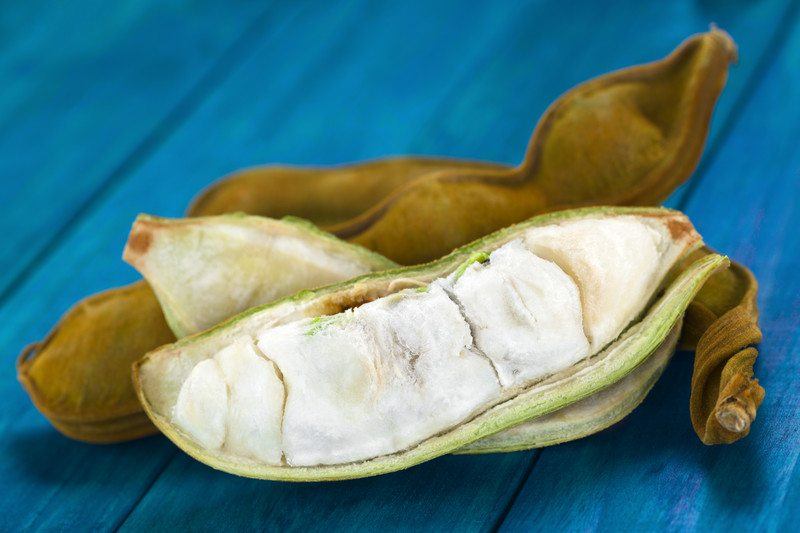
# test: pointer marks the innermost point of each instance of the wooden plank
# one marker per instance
(88, 90)
(325, 26)
(329, 87)
(377, 502)
(465, 493)
(58, 479)
(651, 471)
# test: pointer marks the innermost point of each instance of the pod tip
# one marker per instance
(727, 42)
(733, 416)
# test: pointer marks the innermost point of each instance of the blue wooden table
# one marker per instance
(108, 109)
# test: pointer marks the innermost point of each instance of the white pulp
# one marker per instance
(391, 373)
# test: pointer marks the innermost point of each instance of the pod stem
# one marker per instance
(735, 413)
(725, 395)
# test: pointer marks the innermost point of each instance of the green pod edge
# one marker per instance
(585, 417)
(629, 351)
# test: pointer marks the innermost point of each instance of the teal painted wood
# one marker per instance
(65, 100)
(88, 90)
(459, 492)
(327, 85)
(326, 25)
(651, 472)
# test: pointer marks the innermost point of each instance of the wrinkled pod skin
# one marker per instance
(317, 194)
(160, 375)
(626, 138)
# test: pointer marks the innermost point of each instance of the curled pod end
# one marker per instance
(725, 395)
(735, 413)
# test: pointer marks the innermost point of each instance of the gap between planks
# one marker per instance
(232, 56)
(156, 475)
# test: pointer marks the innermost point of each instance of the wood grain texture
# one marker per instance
(88, 90)
(452, 492)
(328, 84)
(649, 472)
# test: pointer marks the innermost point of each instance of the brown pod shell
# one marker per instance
(626, 138)
(327, 196)
(79, 376)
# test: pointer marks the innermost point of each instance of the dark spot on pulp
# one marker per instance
(140, 241)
